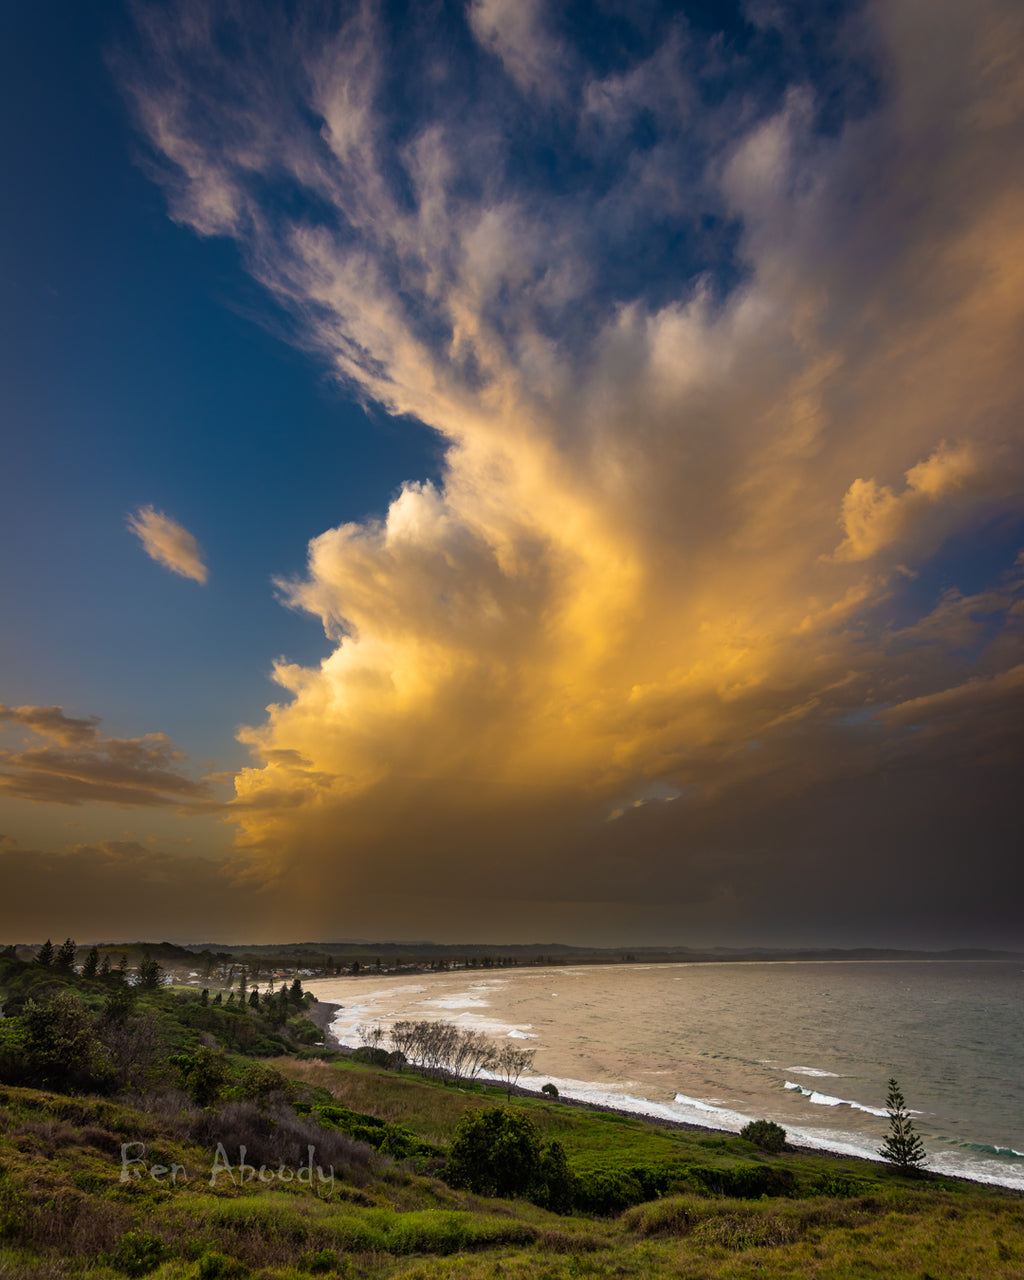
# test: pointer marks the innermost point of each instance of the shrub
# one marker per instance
(606, 1192)
(550, 1089)
(218, 1266)
(749, 1182)
(556, 1185)
(372, 1056)
(137, 1253)
(765, 1134)
(495, 1152)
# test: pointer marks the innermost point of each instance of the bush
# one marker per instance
(606, 1192)
(765, 1134)
(749, 1182)
(550, 1090)
(218, 1266)
(495, 1153)
(556, 1185)
(137, 1253)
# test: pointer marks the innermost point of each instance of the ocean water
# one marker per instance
(809, 1045)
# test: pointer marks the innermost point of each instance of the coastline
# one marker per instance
(325, 1012)
(484, 1001)
(322, 1014)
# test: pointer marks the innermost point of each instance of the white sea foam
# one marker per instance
(748, 1071)
(826, 1100)
(457, 1002)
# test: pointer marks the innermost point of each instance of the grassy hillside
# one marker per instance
(146, 1177)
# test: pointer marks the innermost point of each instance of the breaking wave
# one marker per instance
(826, 1100)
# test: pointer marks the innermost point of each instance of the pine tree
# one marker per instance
(92, 963)
(105, 966)
(66, 955)
(903, 1148)
(46, 954)
(150, 973)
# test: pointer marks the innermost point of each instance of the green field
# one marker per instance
(116, 1181)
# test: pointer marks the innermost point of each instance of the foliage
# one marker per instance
(61, 1048)
(46, 954)
(66, 955)
(137, 1253)
(511, 1063)
(63, 1212)
(150, 974)
(549, 1089)
(903, 1147)
(765, 1134)
(496, 1153)
(203, 1073)
(90, 967)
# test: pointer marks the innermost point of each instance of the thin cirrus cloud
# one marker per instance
(711, 402)
(168, 543)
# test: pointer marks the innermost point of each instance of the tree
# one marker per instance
(511, 1063)
(495, 1152)
(203, 1073)
(105, 967)
(765, 1134)
(46, 954)
(151, 974)
(92, 963)
(903, 1148)
(61, 1048)
(66, 955)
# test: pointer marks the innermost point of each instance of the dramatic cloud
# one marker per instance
(119, 889)
(722, 364)
(166, 542)
(85, 766)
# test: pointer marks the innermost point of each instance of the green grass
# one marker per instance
(64, 1212)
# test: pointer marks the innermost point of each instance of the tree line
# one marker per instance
(444, 1050)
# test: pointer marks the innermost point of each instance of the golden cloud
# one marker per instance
(628, 577)
(166, 542)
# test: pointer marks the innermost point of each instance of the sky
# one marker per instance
(512, 471)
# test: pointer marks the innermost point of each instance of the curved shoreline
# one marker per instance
(324, 1014)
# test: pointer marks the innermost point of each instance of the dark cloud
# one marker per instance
(121, 890)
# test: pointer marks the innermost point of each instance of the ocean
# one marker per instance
(808, 1045)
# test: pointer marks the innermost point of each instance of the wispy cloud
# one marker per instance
(81, 765)
(166, 542)
(721, 363)
(53, 723)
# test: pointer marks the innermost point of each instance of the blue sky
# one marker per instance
(600, 427)
(139, 367)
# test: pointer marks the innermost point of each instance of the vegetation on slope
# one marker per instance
(208, 1161)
